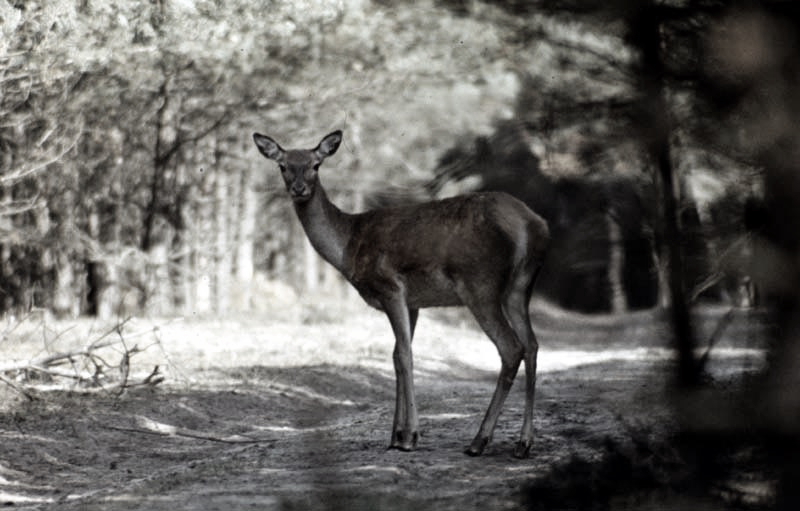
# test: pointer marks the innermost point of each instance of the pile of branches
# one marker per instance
(103, 365)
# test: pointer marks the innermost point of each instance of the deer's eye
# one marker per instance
(316, 166)
(283, 169)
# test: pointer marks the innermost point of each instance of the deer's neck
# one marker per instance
(327, 227)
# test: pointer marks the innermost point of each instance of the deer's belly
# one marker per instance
(419, 288)
(430, 289)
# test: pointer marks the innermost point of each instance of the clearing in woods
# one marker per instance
(277, 413)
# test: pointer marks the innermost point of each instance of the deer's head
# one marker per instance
(299, 166)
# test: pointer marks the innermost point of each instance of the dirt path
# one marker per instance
(261, 436)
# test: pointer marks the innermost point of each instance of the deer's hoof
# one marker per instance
(477, 446)
(522, 449)
(403, 441)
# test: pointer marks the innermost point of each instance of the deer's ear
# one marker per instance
(268, 147)
(329, 144)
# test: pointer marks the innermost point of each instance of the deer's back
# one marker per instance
(425, 250)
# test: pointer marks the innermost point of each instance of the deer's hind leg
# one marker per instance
(490, 316)
(516, 306)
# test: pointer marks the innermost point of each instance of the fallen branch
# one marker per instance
(150, 427)
(16, 387)
(716, 335)
(87, 368)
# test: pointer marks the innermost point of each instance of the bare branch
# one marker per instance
(23, 172)
(16, 207)
(85, 367)
(716, 335)
(24, 392)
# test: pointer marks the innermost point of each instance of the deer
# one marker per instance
(478, 250)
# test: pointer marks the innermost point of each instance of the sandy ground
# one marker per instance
(276, 413)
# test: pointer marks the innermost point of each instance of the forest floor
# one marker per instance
(294, 412)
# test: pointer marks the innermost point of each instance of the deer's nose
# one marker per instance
(299, 189)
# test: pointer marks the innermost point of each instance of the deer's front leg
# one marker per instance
(405, 428)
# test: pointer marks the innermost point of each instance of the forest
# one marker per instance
(129, 181)
(658, 139)
(129, 186)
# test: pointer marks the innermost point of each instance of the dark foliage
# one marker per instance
(684, 471)
(580, 213)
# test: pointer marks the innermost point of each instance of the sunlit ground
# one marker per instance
(349, 334)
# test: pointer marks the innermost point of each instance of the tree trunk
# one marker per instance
(222, 253)
(67, 292)
(159, 294)
(189, 260)
(245, 267)
(65, 302)
(616, 265)
(644, 30)
(154, 240)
